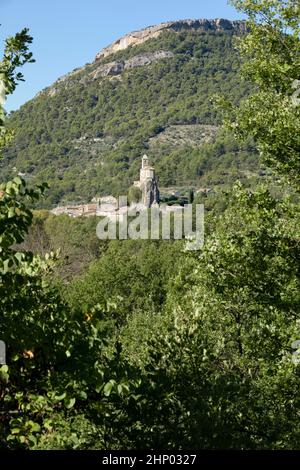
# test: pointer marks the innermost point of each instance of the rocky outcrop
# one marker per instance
(147, 59)
(56, 87)
(117, 67)
(138, 37)
(112, 68)
(132, 39)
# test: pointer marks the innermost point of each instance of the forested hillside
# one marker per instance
(144, 344)
(85, 134)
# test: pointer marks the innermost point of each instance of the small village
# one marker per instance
(110, 207)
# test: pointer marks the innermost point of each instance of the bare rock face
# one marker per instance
(147, 59)
(110, 69)
(116, 68)
(138, 37)
(132, 39)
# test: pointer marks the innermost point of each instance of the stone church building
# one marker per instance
(148, 184)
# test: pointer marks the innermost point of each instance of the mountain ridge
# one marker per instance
(85, 134)
(138, 37)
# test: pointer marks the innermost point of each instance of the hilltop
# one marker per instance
(139, 37)
(148, 92)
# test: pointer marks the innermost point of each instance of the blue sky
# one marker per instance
(69, 33)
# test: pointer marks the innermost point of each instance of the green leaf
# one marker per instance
(108, 388)
(70, 402)
(35, 427)
(60, 397)
(99, 387)
(15, 431)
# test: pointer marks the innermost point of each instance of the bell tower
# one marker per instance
(148, 183)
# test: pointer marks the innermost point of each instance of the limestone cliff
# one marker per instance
(138, 37)
(140, 60)
(115, 68)
(85, 132)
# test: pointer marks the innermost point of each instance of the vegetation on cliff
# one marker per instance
(149, 346)
(85, 136)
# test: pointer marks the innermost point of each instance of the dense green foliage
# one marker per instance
(272, 114)
(16, 54)
(88, 137)
(143, 345)
(223, 375)
(75, 239)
